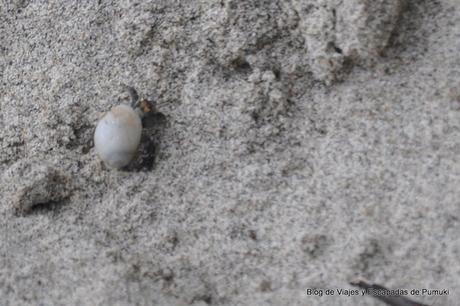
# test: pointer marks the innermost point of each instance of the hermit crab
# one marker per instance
(118, 133)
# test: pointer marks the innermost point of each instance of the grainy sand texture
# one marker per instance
(299, 144)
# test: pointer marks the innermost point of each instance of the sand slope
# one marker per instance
(304, 143)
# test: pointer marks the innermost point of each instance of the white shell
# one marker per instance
(118, 135)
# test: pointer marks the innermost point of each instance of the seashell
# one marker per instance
(118, 135)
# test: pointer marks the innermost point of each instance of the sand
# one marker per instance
(300, 144)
